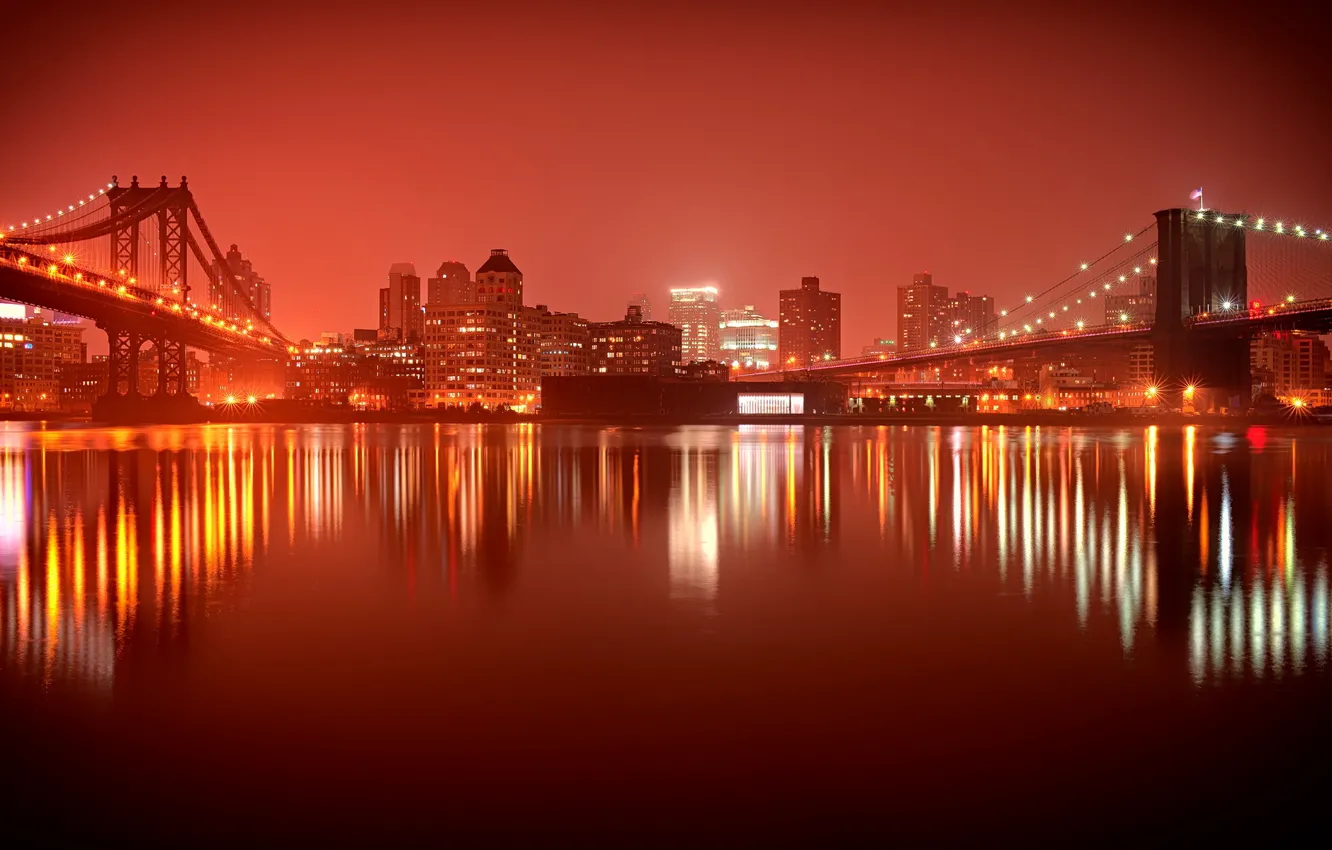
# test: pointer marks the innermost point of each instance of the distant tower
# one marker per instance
(922, 313)
(400, 314)
(810, 325)
(640, 300)
(694, 310)
(231, 283)
(452, 284)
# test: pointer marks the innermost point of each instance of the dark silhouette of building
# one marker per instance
(231, 284)
(969, 315)
(452, 284)
(565, 341)
(635, 347)
(400, 314)
(810, 325)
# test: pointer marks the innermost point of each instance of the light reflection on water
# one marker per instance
(112, 540)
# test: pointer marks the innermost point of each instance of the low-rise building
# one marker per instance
(633, 346)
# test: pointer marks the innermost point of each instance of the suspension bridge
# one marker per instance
(126, 257)
(1220, 279)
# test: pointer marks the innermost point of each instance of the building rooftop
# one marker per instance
(402, 268)
(499, 262)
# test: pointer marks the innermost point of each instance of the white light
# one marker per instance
(1001, 312)
(1029, 299)
(1123, 317)
(1122, 278)
(957, 339)
(1128, 237)
(1137, 269)
(1080, 324)
(1084, 267)
(1226, 305)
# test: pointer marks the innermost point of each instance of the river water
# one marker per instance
(680, 634)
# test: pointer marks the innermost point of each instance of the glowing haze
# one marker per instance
(615, 149)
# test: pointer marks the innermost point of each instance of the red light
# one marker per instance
(1255, 305)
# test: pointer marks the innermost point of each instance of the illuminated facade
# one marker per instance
(32, 354)
(1289, 363)
(748, 341)
(771, 404)
(486, 352)
(810, 325)
(321, 374)
(234, 281)
(922, 313)
(695, 312)
(636, 347)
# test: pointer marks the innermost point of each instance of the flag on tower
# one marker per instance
(1196, 194)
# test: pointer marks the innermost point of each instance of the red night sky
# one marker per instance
(622, 147)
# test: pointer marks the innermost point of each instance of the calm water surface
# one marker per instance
(487, 632)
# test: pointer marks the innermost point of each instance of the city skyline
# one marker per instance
(852, 170)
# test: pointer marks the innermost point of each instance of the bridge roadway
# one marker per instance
(30, 277)
(1312, 315)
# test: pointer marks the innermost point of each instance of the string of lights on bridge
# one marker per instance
(127, 288)
(60, 212)
(1119, 273)
(64, 268)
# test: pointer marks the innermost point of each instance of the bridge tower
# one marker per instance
(172, 205)
(1199, 268)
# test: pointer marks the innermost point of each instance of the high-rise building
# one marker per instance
(452, 284)
(640, 300)
(1138, 305)
(695, 312)
(400, 304)
(922, 313)
(969, 315)
(1288, 363)
(234, 283)
(748, 341)
(636, 347)
(810, 325)
(564, 341)
(33, 353)
(485, 352)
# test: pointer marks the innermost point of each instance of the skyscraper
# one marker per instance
(486, 352)
(640, 300)
(400, 304)
(695, 312)
(969, 315)
(231, 284)
(748, 340)
(922, 313)
(452, 284)
(810, 325)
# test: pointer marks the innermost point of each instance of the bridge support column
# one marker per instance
(122, 378)
(1200, 267)
(171, 368)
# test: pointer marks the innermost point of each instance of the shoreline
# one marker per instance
(1035, 418)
